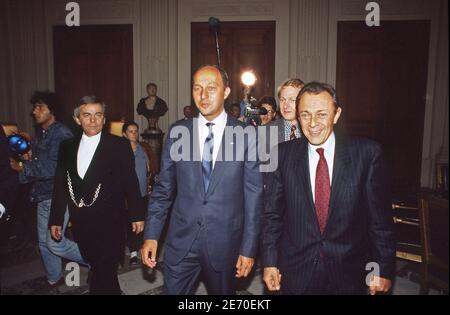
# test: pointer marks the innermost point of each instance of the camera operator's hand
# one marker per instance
(16, 166)
(27, 156)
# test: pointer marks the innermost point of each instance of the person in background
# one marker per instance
(288, 127)
(235, 110)
(270, 104)
(130, 131)
(38, 166)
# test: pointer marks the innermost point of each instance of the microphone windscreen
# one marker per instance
(213, 23)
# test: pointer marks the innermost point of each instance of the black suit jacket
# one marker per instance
(359, 227)
(99, 229)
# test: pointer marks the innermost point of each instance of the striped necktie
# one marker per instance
(322, 190)
(207, 156)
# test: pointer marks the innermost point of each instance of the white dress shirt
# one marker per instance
(2, 210)
(329, 147)
(218, 129)
(86, 151)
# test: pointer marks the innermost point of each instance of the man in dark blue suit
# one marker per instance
(327, 208)
(217, 195)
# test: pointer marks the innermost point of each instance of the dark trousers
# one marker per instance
(134, 242)
(320, 283)
(104, 279)
(184, 277)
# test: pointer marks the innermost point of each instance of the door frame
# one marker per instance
(338, 11)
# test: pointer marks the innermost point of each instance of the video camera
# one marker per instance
(18, 145)
(252, 112)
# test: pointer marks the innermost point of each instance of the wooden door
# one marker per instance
(381, 83)
(95, 60)
(243, 46)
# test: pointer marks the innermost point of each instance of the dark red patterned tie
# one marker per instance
(292, 135)
(322, 190)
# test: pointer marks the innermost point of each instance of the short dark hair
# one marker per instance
(317, 88)
(48, 98)
(88, 99)
(128, 124)
(235, 105)
(268, 100)
(223, 74)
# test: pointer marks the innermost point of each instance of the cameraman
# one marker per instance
(38, 167)
(270, 105)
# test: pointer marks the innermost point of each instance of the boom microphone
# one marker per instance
(214, 27)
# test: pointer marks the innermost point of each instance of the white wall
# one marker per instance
(306, 39)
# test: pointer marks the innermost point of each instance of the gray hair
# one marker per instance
(90, 99)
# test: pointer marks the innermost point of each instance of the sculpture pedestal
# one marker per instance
(154, 137)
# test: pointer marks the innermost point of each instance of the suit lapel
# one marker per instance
(196, 157)
(281, 130)
(219, 166)
(303, 174)
(341, 170)
(96, 167)
(73, 160)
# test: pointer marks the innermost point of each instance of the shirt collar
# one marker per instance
(46, 131)
(220, 121)
(289, 124)
(328, 145)
(94, 139)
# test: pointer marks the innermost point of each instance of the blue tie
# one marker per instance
(207, 156)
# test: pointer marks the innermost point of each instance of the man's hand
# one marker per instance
(16, 166)
(56, 232)
(138, 226)
(272, 278)
(149, 249)
(379, 284)
(244, 266)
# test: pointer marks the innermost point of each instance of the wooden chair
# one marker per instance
(434, 224)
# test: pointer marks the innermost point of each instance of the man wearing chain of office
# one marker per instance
(95, 178)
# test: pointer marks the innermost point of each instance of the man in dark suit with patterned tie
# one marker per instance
(327, 208)
(215, 220)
